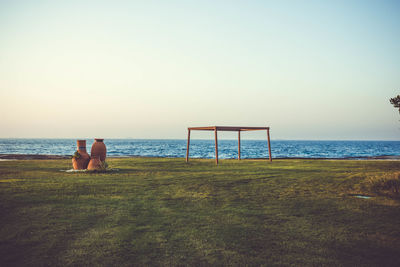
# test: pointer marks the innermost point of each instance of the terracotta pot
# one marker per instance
(94, 163)
(81, 163)
(99, 149)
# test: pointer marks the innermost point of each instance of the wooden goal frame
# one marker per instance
(227, 128)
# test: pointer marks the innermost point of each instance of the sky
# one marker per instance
(150, 69)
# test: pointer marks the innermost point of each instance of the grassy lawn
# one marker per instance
(166, 212)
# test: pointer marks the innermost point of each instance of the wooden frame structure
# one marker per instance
(227, 128)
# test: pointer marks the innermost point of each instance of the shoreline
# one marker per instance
(5, 157)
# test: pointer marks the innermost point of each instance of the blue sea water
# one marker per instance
(206, 148)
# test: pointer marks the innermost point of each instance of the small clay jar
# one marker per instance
(94, 163)
(99, 149)
(81, 163)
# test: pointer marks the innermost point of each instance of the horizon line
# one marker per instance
(228, 139)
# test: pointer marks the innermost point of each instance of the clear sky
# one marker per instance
(149, 69)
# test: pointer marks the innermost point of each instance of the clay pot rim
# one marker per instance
(99, 139)
(79, 140)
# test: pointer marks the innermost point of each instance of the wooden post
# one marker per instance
(187, 149)
(216, 146)
(269, 146)
(239, 145)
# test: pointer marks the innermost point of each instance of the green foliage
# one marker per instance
(395, 101)
(103, 165)
(165, 212)
(76, 155)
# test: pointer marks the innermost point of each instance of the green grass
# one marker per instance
(166, 212)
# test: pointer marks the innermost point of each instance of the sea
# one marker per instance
(206, 148)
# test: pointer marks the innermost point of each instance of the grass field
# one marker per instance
(165, 212)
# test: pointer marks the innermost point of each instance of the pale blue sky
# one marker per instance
(149, 69)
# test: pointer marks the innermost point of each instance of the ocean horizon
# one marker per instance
(205, 148)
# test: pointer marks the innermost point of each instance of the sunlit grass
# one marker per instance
(166, 212)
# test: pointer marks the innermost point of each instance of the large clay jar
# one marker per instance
(94, 163)
(99, 149)
(81, 163)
